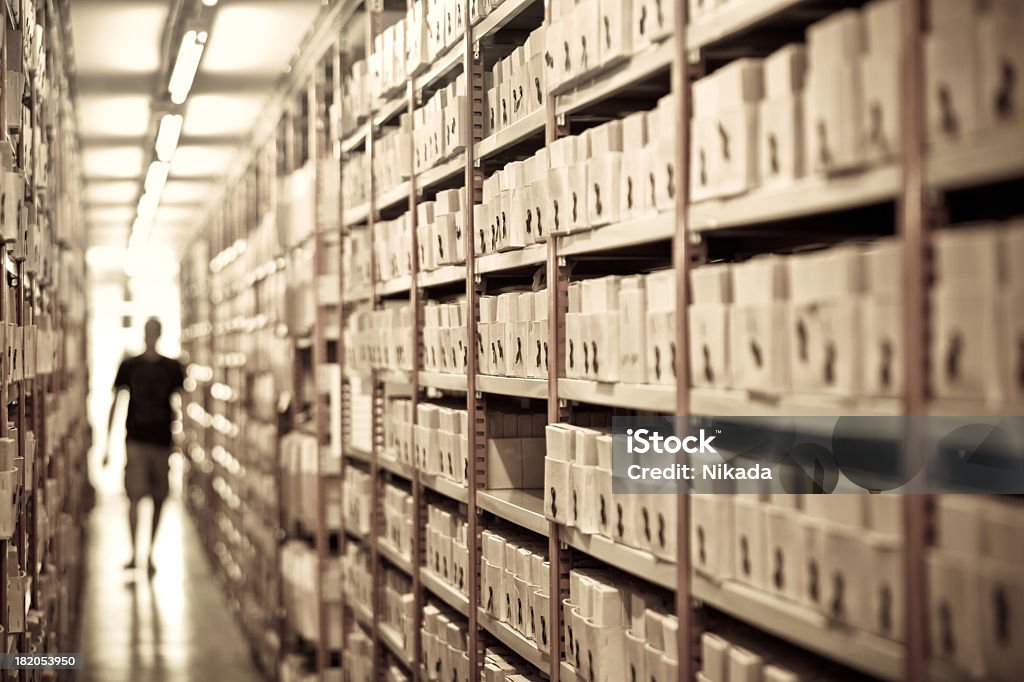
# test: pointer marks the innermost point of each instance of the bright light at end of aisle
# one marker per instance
(156, 178)
(168, 136)
(210, 3)
(186, 65)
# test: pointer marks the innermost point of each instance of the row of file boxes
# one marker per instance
(622, 329)
(518, 84)
(357, 571)
(828, 106)
(439, 126)
(356, 495)
(839, 555)
(380, 338)
(446, 344)
(584, 37)
(610, 173)
(514, 574)
(302, 599)
(447, 551)
(445, 644)
(972, 53)
(399, 607)
(614, 632)
(512, 334)
(393, 247)
(440, 230)
(515, 450)
(397, 513)
(578, 492)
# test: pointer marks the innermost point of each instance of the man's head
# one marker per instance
(153, 330)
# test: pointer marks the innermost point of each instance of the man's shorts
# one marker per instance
(145, 472)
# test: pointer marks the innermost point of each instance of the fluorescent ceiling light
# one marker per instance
(167, 137)
(147, 207)
(209, 3)
(186, 65)
(156, 178)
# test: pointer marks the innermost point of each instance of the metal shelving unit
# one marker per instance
(669, 66)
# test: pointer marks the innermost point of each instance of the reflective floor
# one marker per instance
(173, 628)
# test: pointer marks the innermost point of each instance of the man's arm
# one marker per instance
(118, 390)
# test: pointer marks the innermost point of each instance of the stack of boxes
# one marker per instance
(439, 126)
(515, 450)
(976, 352)
(299, 466)
(738, 654)
(397, 513)
(446, 549)
(829, 107)
(976, 593)
(578, 492)
(613, 632)
(445, 341)
(500, 666)
(839, 555)
(357, 572)
(356, 262)
(302, 599)
(622, 329)
(399, 608)
(585, 37)
(512, 334)
(398, 430)
(442, 441)
(445, 645)
(971, 53)
(356, 488)
(517, 85)
(439, 230)
(514, 575)
(393, 247)
(380, 338)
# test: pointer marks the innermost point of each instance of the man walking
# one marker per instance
(150, 380)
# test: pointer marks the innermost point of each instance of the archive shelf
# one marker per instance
(443, 381)
(393, 641)
(443, 486)
(647, 398)
(530, 126)
(806, 197)
(524, 508)
(523, 647)
(857, 649)
(396, 558)
(638, 562)
(615, 80)
(656, 227)
(613, 91)
(512, 386)
(445, 592)
(535, 254)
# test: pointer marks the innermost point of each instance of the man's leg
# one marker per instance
(159, 488)
(133, 524)
(135, 486)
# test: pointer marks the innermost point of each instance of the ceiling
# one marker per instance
(124, 51)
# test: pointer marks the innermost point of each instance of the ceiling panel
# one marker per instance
(176, 215)
(258, 36)
(115, 162)
(186, 192)
(104, 115)
(222, 115)
(117, 36)
(111, 214)
(111, 192)
(195, 160)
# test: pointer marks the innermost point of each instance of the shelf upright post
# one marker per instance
(682, 257)
(22, 424)
(319, 358)
(341, 66)
(419, 503)
(5, 315)
(557, 276)
(374, 26)
(473, 67)
(915, 234)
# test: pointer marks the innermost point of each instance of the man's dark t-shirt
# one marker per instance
(150, 384)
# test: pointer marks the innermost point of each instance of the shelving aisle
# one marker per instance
(44, 436)
(378, 365)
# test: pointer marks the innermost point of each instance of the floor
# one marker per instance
(173, 628)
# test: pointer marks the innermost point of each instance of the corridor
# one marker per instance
(173, 628)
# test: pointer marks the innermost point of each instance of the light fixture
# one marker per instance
(168, 135)
(210, 3)
(186, 65)
(156, 178)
